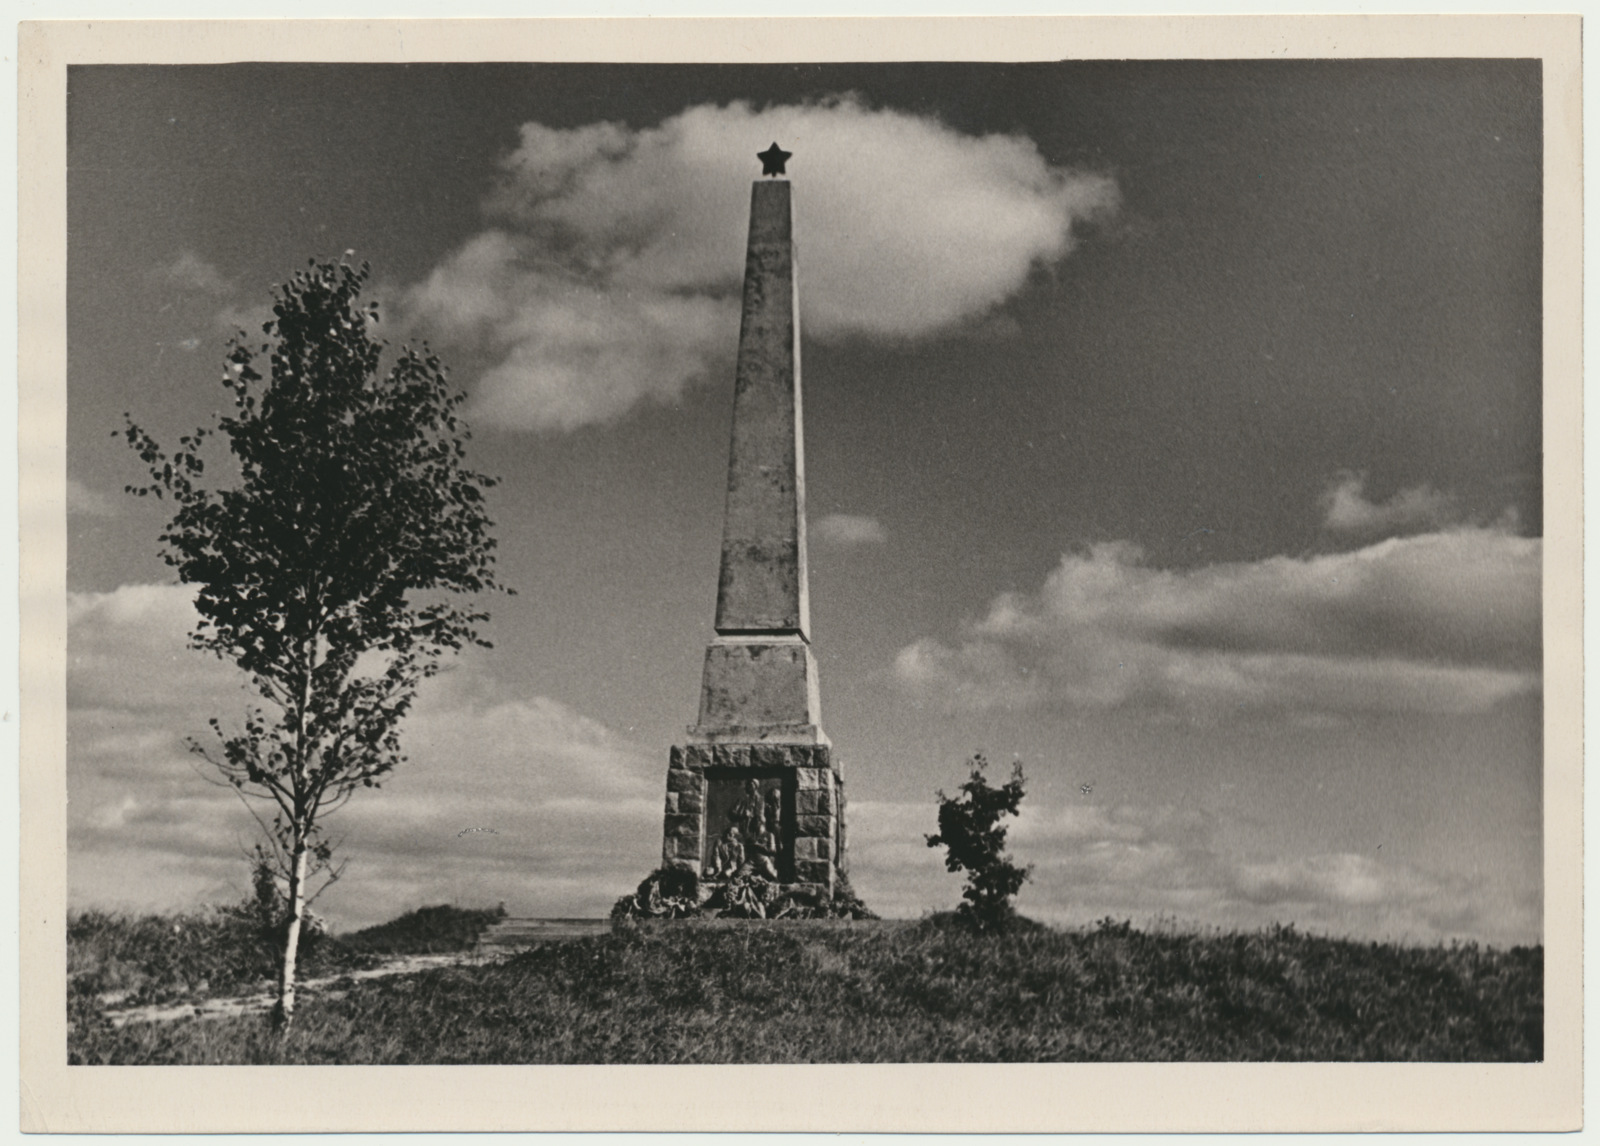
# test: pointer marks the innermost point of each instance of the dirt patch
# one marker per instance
(259, 1002)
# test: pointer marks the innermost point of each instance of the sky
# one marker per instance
(1172, 428)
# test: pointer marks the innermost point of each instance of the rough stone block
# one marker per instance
(675, 760)
(683, 864)
(689, 802)
(811, 778)
(678, 850)
(821, 826)
(770, 756)
(672, 803)
(682, 780)
(731, 756)
(684, 826)
(813, 802)
(813, 871)
(805, 848)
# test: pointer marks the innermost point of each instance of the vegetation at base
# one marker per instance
(677, 893)
(427, 931)
(687, 992)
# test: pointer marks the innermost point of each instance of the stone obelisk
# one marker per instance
(756, 790)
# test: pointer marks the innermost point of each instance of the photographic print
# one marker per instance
(597, 561)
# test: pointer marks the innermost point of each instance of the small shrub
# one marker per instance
(974, 842)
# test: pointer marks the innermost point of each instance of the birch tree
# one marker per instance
(338, 565)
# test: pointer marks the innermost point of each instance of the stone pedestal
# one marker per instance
(733, 807)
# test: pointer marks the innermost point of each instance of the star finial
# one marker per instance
(773, 159)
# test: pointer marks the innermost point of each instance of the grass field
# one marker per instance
(914, 992)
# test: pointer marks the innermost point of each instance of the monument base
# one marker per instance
(774, 811)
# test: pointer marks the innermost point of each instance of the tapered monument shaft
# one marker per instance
(763, 584)
(760, 680)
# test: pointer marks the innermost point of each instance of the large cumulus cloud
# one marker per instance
(610, 274)
(1445, 622)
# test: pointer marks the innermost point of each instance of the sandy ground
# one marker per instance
(259, 1002)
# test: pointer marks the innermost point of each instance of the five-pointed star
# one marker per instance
(773, 159)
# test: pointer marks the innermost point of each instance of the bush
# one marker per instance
(970, 831)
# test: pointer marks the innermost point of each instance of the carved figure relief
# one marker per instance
(745, 828)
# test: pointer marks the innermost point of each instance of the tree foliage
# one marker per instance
(333, 569)
(974, 840)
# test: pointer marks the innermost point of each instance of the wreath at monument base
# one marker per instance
(677, 893)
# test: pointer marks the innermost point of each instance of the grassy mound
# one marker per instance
(930, 992)
(426, 931)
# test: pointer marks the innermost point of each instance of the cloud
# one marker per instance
(1440, 622)
(233, 318)
(612, 270)
(1153, 862)
(127, 651)
(88, 502)
(569, 350)
(569, 810)
(189, 272)
(849, 529)
(1347, 510)
(1144, 862)
(215, 296)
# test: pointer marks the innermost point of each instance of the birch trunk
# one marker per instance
(283, 1013)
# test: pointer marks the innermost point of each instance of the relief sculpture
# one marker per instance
(745, 837)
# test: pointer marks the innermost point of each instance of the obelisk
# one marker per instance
(756, 790)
